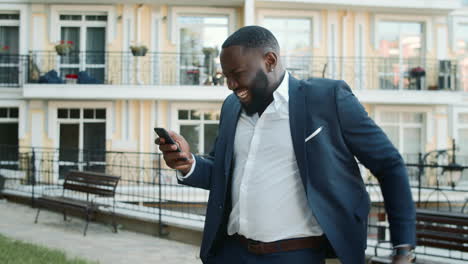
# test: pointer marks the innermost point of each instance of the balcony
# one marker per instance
(78, 75)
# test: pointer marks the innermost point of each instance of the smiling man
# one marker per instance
(284, 183)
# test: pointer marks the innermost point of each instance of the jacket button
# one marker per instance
(220, 207)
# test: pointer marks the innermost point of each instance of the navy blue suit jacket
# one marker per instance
(334, 187)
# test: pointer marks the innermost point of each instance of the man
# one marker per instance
(284, 183)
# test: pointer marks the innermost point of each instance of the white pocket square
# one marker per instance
(313, 134)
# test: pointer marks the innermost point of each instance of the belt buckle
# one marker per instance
(255, 247)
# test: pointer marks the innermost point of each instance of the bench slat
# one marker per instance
(443, 237)
(442, 219)
(442, 245)
(439, 228)
(100, 178)
(92, 182)
(89, 189)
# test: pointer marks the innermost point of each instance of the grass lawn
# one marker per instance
(17, 252)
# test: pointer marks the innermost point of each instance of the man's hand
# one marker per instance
(181, 161)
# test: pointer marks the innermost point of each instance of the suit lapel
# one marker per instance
(297, 121)
(231, 125)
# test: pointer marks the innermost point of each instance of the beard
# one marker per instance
(259, 93)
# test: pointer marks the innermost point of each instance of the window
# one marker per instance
(87, 34)
(200, 40)
(461, 50)
(405, 130)
(10, 113)
(462, 142)
(9, 48)
(294, 36)
(82, 139)
(9, 137)
(401, 48)
(199, 128)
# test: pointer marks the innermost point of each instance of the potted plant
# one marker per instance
(64, 47)
(138, 50)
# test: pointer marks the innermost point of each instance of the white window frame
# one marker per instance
(82, 25)
(13, 23)
(314, 16)
(8, 120)
(425, 126)
(52, 119)
(176, 12)
(22, 113)
(175, 122)
(455, 122)
(424, 48)
(456, 126)
(427, 22)
(55, 122)
(56, 10)
(23, 11)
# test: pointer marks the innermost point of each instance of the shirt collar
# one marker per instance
(281, 94)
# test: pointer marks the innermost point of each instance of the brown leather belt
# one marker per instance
(261, 248)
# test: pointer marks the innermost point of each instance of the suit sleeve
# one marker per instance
(200, 175)
(373, 149)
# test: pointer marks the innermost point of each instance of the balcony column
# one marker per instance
(442, 37)
(249, 12)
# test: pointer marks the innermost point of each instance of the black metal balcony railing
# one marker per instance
(122, 68)
(147, 186)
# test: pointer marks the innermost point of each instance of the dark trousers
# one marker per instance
(232, 252)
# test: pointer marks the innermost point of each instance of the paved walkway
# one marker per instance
(100, 244)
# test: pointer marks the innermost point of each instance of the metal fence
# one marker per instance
(148, 187)
(165, 68)
(146, 183)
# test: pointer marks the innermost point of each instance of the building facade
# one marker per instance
(72, 75)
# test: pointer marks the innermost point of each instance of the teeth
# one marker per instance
(242, 93)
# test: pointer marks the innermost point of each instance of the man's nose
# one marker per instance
(232, 84)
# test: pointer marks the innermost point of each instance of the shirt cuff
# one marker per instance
(402, 245)
(182, 177)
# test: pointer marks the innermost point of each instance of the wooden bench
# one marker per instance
(435, 229)
(77, 184)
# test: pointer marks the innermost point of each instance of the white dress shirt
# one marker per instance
(268, 197)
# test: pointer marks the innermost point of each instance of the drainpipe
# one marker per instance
(344, 43)
(138, 40)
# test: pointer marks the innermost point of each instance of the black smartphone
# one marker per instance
(162, 133)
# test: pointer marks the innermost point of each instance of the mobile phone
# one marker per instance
(162, 133)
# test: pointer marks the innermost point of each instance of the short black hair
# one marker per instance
(253, 37)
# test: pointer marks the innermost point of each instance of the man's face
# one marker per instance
(246, 76)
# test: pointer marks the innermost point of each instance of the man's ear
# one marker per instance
(271, 60)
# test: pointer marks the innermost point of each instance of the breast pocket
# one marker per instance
(314, 134)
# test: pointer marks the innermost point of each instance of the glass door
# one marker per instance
(200, 40)
(401, 62)
(9, 54)
(69, 148)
